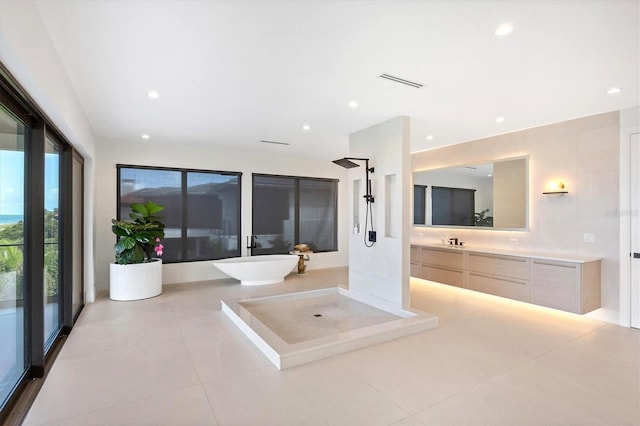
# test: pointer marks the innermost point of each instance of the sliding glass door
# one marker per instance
(12, 207)
(52, 299)
(41, 233)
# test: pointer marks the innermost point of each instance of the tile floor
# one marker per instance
(178, 360)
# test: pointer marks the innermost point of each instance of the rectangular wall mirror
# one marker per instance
(490, 195)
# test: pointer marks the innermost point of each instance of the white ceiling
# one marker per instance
(236, 72)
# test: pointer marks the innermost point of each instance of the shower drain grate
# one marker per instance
(317, 315)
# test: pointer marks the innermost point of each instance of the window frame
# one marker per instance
(184, 193)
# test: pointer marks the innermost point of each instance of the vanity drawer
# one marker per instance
(415, 254)
(498, 286)
(450, 258)
(504, 266)
(442, 275)
(556, 285)
(415, 269)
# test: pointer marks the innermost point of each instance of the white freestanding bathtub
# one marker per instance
(258, 270)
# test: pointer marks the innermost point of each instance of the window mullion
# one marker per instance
(296, 234)
(34, 248)
(184, 233)
(66, 238)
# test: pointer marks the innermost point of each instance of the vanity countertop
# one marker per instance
(558, 257)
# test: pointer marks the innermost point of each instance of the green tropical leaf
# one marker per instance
(140, 208)
(128, 242)
(119, 248)
(152, 208)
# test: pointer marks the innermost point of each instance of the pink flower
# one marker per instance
(159, 253)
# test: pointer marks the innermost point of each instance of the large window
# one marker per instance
(293, 210)
(201, 209)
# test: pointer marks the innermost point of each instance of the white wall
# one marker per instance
(27, 52)
(584, 153)
(112, 152)
(629, 124)
(381, 273)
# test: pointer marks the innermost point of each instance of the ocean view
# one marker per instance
(10, 218)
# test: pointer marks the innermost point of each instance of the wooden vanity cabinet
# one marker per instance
(572, 286)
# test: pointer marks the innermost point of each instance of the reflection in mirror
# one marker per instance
(490, 195)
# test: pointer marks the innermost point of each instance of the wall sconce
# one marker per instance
(555, 188)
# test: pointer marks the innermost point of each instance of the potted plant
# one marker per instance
(137, 271)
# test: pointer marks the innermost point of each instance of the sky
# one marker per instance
(12, 182)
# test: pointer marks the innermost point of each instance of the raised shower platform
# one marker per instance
(297, 328)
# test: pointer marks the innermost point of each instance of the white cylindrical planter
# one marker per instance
(135, 281)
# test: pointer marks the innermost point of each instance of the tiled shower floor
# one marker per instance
(300, 319)
(296, 328)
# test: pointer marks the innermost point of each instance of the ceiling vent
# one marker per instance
(401, 80)
(275, 143)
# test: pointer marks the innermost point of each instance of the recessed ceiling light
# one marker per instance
(614, 90)
(504, 29)
(489, 175)
(429, 137)
(353, 104)
(152, 94)
(145, 136)
(306, 127)
(499, 119)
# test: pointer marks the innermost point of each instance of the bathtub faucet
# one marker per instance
(252, 243)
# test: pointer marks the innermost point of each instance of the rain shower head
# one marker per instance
(346, 163)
